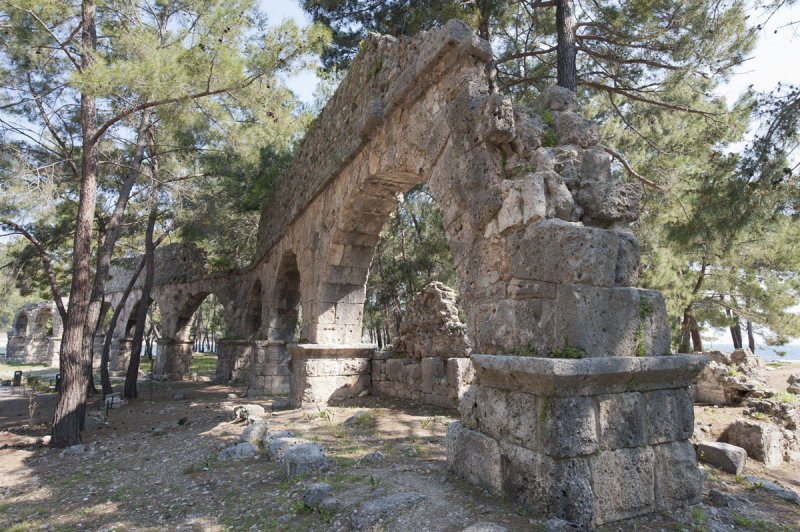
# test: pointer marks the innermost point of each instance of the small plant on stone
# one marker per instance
(761, 416)
(550, 139)
(548, 119)
(786, 397)
(699, 519)
(568, 351)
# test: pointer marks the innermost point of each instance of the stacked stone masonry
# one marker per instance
(590, 441)
(431, 380)
(545, 261)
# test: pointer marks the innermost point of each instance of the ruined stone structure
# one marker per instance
(35, 335)
(546, 265)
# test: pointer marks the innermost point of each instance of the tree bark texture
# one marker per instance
(71, 407)
(567, 47)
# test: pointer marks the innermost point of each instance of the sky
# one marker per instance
(776, 57)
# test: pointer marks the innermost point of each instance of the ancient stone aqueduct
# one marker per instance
(539, 236)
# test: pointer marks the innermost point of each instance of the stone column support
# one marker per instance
(591, 441)
(173, 358)
(320, 373)
(233, 359)
(121, 354)
(268, 369)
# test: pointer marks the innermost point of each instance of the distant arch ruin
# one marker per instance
(539, 236)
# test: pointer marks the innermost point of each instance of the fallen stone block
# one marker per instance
(762, 440)
(725, 456)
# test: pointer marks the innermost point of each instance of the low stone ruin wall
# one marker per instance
(431, 380)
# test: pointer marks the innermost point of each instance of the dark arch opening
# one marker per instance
(286, 311)
(252, 319)
(412, 252)
(21, 324)
(44, 323)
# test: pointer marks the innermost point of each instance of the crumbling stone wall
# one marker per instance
(35, 335)
(431, 326)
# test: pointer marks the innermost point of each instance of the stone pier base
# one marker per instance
(233, 360)
(591, 441)
(174, 357)
(320, 373)
(268, 372)
(121, 354)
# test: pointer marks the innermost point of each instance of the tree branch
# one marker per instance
(630, 170)
(45, 262)
(61, 45)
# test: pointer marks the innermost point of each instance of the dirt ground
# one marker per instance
(151, 465)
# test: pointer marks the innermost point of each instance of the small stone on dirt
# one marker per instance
(316, 493)
(384, 508)
(255, 432)
(237, 452)
(304, 458)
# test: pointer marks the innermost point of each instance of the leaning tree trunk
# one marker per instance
(131, 391)
(751, 339)
(736, 330)
(71, 407)
(567, 48)
(105, 381)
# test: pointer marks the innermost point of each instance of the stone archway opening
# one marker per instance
(412, 252)
(190, 341)
(44, 324)
(286, 311)
(21, 324)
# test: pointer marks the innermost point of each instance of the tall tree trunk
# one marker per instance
(71, 408)
(567, 47)
(131, 391)
(736, 330)
(751, 340)
(106, 243)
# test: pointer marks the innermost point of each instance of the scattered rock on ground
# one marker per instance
(373, 456)
(719, 498)
(316, 493)
(277, 446)
(73, 450)
(762, 440)
(485, 526)
(775, 489)
(237, 452)
(725, 456)
(383, 508)
(304, 458)
(357, 419)
(255, 432)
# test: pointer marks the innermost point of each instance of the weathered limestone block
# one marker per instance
(608, 203)
(587, 314)
(620, 420)
(460, 374)
(475, 457)
(557, 98)
(530, 129)
(762, 440)
(498, 120)
(596, 165)
(615, 499)
(323, 373)
(431, 326)
(562, 252)
(432, 369)
(572, 128)
(545, 486)
(677, 477)
(670, 414)
(729, 458)
(626, 272)
(591, 441)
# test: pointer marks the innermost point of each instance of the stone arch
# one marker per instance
(43, 323)
(253, 314)
(21, 324)
(286, 300)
